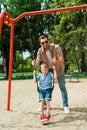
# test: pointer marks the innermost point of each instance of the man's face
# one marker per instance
(45, 44)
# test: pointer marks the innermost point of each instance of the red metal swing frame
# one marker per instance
(9, 21)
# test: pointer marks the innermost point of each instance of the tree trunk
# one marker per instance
(83, 63)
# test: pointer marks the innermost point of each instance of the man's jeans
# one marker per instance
(61, 82)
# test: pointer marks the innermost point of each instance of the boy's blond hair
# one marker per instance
(43, 65)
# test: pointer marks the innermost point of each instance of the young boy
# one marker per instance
(45, 90)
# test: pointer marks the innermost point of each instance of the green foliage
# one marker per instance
(22, 65)
(68, 31)
(70, 34)
(22, 39)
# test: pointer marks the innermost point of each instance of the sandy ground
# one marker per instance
(23, 114)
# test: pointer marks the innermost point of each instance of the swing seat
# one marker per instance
(38, 89)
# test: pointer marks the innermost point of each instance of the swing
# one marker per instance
(35, 74)
(31, 44)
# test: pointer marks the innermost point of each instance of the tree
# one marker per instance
(69, 34)
(22, 40)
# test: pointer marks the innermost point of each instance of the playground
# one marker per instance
(19, 98)
(24, 114)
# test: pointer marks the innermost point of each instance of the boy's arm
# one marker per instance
(35, 80)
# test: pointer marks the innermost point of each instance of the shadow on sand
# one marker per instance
(79, 113)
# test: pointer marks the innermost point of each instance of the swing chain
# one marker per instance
(29, 31)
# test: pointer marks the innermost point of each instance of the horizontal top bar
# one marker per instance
(49, 11)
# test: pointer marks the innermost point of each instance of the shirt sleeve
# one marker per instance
(39, 57)
(58, 50)
(38, 77)
(51, 74)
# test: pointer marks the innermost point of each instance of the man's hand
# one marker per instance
(34, 72)
(54, 60)
(60, 60)
(35, 63)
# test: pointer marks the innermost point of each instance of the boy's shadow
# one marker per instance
(79, 113)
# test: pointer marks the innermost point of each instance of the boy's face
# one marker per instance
(44, 70)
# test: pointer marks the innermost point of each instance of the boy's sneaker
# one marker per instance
(66, 110)
(42, 117)
(47, 117)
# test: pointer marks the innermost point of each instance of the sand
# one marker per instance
(24, 115)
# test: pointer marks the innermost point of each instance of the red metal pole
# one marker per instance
(10, 65)
(0, 25)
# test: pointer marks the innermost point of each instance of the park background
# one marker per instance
(68, 29)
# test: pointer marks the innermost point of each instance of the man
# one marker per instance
(52, 55)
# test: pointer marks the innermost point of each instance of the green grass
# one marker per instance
(18, 76)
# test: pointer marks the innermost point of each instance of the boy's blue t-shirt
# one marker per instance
(45, 81)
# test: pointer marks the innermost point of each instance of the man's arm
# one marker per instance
(38, 59)
(58, 55)
(59, 60)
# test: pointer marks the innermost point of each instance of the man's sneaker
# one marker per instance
(47, 117)
(42, 117)
(66, 110)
